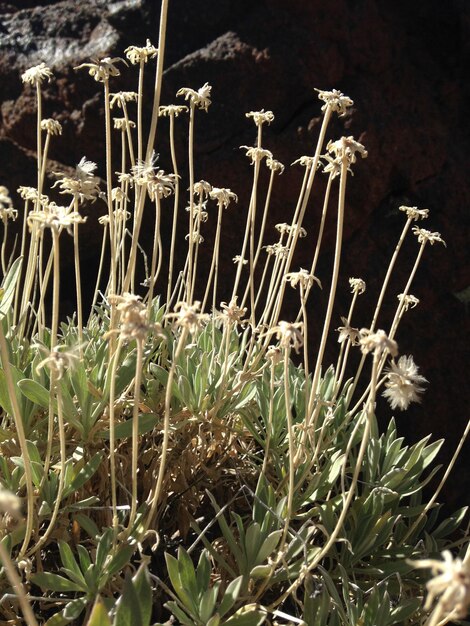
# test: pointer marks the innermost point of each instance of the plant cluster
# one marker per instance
(177, 459)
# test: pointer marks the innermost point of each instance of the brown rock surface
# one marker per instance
(404, 64)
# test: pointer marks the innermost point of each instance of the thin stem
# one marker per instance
(15, 582)
(175, 205)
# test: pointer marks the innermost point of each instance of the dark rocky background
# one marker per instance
(405, 65)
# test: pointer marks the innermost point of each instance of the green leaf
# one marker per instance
(84, 474)
(143, 589)
(230, 596)
(68, 561)
(74, 609)
(119, 560)
(207, 603)
(128, 606)
(248, 615)
(173, 572)
(53, 582)
(99, 615)
(34, 392)
(8, 287)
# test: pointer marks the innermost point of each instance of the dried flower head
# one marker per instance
(84, 185)
(172, 110)
(377, 342)
(409, 301)
(141, 55)
(451, 582)
(302, 278)
(144, 170)
(256, 154)
(223, 196)
(346, 332)
(274, 354)
(202, 188)
(188, 316)
(134, 322)
(7, 212)
(123, 123)
(404, 384)
(55, 217)
(426, 236)
(52, 127)
(357, 285)
(161, 185)
(304, 161)
(346, 148)
(413, 213)
(231, 312)
(289, 335)
(121, 98)
(102, 69)
(274, 165)
(37, 74)
(200, 98)
(277, 249)
(335, 100)
(59, 359)
(261, 117)
(333, 166)
(239, 259)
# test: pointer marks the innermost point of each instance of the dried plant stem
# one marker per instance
(4, 242)
(191, 200)
(312, 411)
(175, 206)
(300, 212)
(55, 385)
(22, 254)
(78, 280)
(109, 190)
(20, 433)
(112, 437)
(135, 433)
(344, 350)
(214, 268)
(140, 94)
(100, 270)
(292, 451)
(382, 293)
(155, 253)
(15, 582)
(166, 431)
(158, 78)
(39, 137)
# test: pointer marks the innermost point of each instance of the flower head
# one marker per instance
(335, 100)
(257, 154)
(172, 110)
(377, 342)
(223, 196)
(141, 55)
(357, 285)
(37, 74)
(120, 98)
(7, 212)
(134, 322)
(53, 127)
(425, 236)
(84, 185)
(304, 161)
(408, 300)
(188, 316)
(403, 383)
(58, 359)
(289, 335)
(274, 165)
(346, 332)
(346, 148)
(102, 69)
(451, 582)
(123, 123)
(231, 312)
(200, 98)
(261, 117)
(202, 188)
(55, 217)
(302, 278)
(413, 213)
